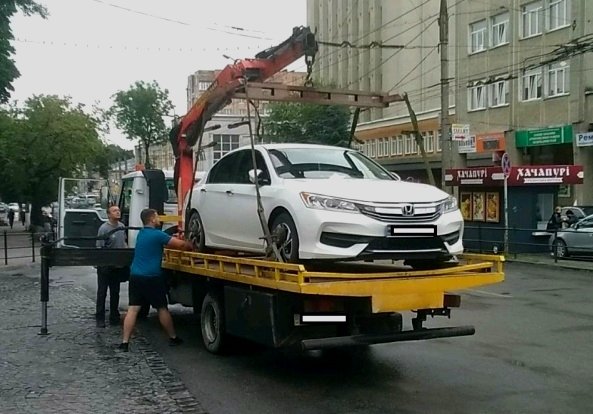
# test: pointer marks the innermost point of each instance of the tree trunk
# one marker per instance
(146, 156)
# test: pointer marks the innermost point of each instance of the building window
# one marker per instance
(386, 147)
(532, 18)
(372, 146)
(439, 142)
(477, 36)
(558, 14)
(399, 145)
(428, 138)
(225, 143)
(476, 97)
(558, 80)
(414, 148)
(500, 29)
(408, 140)
(380, 147)
(499, 93)
(531, 85)
(393, 146)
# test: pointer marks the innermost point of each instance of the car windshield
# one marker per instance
(325, 163)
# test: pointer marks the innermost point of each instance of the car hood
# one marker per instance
(378, 191)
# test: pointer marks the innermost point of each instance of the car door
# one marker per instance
(580, 240)
(215, 203)
(246, 227)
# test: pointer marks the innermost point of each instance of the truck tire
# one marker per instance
(289, 246)
(212, 323)
(195, 232)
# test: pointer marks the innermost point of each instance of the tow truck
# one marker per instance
(262, 299)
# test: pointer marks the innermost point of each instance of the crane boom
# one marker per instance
(226, 84)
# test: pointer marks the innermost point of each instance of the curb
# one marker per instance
(558, 264)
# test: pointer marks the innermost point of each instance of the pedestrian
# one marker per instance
(146, 282)
(555, 221)
(22, 216)
(10, 217)
(571, 218)
(109, 277)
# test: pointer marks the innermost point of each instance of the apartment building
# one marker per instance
(525, 87)
(408, 62)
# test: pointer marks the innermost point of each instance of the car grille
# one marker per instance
(394, 213)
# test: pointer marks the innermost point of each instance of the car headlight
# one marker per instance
(328, 203)
(450, 204)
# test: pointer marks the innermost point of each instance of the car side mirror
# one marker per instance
(259, 175)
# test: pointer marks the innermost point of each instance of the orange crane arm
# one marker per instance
(229, 81)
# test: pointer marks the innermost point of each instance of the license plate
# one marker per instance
(412, 231)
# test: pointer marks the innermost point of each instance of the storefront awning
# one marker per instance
(519, 176)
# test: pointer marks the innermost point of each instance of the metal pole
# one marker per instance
(45, 250)
(33, 246)
(5, 248)
(506, 216)
(446, 144)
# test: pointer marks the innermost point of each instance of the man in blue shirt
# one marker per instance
(146, 282)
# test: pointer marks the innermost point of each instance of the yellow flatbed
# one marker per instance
(391, 287)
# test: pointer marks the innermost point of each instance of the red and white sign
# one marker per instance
(518, 176)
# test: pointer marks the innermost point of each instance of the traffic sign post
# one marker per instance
(506, 171)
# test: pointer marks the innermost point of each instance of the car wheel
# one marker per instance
(560, 248)
(287, 238)
(212, 323)
(195, 232)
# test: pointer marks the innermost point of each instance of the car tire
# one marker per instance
(212, 323)
(560, 249)
(289, 246)
(195, 232)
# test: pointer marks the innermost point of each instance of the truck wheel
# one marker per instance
(212, 322)
(288, 243)
(195, 232)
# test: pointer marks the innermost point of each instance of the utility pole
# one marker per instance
(446, 143)
(419, 140)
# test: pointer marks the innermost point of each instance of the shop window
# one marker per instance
(543, 209)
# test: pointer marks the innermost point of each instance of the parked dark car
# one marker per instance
(580, 212)
(576, 240)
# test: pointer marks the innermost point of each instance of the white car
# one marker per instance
(323, 202)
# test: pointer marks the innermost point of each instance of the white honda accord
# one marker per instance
(321, 202)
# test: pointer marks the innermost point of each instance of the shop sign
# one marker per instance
(546, 136)
(459, 132)
(466, 146)
(489, 142)
(584, 139)
(518, 176)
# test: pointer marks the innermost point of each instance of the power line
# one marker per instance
(412, 70)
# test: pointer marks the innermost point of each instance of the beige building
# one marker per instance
(408, 63)
(522, 77)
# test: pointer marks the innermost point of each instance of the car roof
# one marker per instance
(297, 145)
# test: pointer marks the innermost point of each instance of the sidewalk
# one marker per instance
(545, 259)
(76, 368)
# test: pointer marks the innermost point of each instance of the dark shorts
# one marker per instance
(144, 290)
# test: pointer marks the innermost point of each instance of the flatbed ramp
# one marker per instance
(391, 287)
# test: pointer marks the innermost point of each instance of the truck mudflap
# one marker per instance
(361, 340)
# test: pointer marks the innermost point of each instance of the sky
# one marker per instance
(90, 49)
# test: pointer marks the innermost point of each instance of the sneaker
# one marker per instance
(175, 341)
(100, 324)
(124, 346)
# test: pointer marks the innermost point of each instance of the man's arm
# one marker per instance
(101, 232)
(175, 243)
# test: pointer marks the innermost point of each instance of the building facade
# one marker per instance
(408, 63)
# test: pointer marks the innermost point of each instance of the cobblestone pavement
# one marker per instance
(76, 368)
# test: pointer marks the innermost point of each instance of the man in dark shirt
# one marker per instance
(146, 283)
(109, 276)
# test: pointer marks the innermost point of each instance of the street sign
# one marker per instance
(505, 163)
(584, 139)
(459, 132)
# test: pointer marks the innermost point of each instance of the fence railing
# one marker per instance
(15, 246)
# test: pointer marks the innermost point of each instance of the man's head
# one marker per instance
(150, 217)
(558, 209)
(569, 213)
(113, 213)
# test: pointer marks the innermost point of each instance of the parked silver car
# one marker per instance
(576, 240)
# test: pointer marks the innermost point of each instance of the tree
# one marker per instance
(310, 123)
(8, 69)
(139, 112)
(46, 139)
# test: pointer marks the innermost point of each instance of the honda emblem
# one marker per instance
(408, 210)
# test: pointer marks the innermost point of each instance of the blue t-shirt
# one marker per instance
(148, 254)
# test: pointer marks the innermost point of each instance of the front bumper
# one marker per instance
(336, 235)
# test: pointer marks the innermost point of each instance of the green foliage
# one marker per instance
(46, 139)
(139, 112)
(308, 123)
(8, 69)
